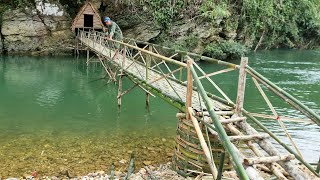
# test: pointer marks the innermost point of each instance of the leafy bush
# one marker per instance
(226, 50)
(164, 11)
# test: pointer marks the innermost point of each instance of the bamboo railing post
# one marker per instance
(189, 87)
(237, 164)
(241, 85)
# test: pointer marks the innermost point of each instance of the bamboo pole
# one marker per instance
(284, 118)
(214, 84)
(266, 160)
(219, 128)
(258, 153)
(282, 125)
(189, 87)
(203, 144)
(290, 167)
(315, 117)
(148, 63)
(241, 85)
(220, 171)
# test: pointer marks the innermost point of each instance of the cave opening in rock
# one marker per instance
(88, 20)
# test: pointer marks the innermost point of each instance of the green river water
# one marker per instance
(56, 115)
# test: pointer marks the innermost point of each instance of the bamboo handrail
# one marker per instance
(204, 58)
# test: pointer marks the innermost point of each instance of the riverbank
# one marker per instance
(148, 172)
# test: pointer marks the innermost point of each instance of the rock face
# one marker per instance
(45, 29)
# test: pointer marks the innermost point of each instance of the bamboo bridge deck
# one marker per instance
(198, 106)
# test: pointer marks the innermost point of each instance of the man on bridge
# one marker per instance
(114, 31)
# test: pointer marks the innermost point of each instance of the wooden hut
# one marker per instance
(87, 18)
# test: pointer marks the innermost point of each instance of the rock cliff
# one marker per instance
(43, 29)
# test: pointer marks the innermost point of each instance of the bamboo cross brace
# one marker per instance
(276, 114)
(214, 84)
(203, 144)
(169, 69)
(173, 55)
(142, 88)
(283, 118)
(287, 100)
(157, 64)
(106, 69)
(216, 73)
(168, 82)
(127, 91)
(166, 75)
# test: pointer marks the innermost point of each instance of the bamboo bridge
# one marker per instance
(211, 128)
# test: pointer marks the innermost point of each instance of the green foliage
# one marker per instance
(226, 50)
(188, 44)
(288, 23)
(164, 11)
(215, 11)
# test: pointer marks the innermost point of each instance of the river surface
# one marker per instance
(56, 114)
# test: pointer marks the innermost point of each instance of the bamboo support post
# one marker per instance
(266, 160)
(203, 144)
(189, 87)
(241, 86)
(220, 130)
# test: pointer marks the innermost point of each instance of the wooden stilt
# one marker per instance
(241, 86)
